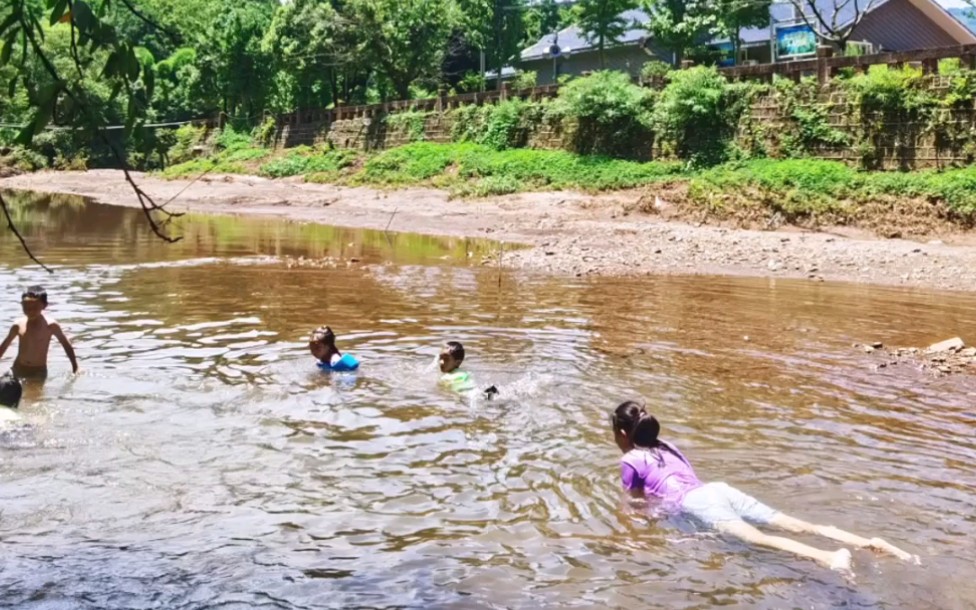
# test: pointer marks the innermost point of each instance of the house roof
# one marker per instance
(573, 40)
(932, 9)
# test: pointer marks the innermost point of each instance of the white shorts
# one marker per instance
(716, 502)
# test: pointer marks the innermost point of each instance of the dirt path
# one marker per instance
(571, 233)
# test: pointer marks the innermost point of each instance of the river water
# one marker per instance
(200, 460)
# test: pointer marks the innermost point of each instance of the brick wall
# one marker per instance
(893, 143)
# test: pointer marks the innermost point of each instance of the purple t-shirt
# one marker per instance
(660, 473)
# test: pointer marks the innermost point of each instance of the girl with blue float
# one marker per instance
(322, 345)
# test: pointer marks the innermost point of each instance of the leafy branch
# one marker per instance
(91, 39)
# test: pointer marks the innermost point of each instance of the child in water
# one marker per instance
(652, 467)
(10, 392)
(322, 345)
(459, 380)
(35, 331)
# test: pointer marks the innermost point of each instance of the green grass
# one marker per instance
(453, 165)
(796, 188)
(809, 186)
(236, 160)
(305, 161)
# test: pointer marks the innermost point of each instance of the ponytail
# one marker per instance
(641, 428)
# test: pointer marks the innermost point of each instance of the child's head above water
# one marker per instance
(10, 391)
(33, 301)
(451, 357)
(322, 343)
(633, 427)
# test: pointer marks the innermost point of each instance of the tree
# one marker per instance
(234, 67)
(735, 15)
(405, 39)
(92, 43)
(544, 17)
(496, 27)
(679, 25)
(602, 22)
(834, 21)
(301, 43)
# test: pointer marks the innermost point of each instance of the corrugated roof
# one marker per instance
(574, 39)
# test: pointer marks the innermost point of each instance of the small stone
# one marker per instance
(867, 349)
(877, 344)
(949, 345)
(745, 338)
(657, 250)
(550, 253)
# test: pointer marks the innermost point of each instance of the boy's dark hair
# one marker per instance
(10, 390)
(35, 292)
(323, 334)
(456, 350)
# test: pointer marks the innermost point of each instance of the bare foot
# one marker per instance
(881, 545)
(841, 561)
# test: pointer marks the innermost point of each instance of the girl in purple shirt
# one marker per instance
(654, 468)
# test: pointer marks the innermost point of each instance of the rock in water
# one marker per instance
(949, 345)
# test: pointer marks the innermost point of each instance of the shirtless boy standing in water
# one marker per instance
(35, 331)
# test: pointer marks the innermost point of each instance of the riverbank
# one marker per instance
(620, 233)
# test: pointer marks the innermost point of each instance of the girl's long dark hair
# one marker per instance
(641, 428)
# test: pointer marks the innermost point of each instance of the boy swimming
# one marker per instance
(654, 468)
(35, 331)
(450, 360)
(322, 345)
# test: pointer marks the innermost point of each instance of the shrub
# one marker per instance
(409, 122)
(24, 159)
(655, 72)
(527, 79)
(471, 83)
(488, 187)
(264, 134)
(508, 124)
(409, 164)
(188, 137)
(231, 139)
(696, 114)
(613, 114)
(301, 162)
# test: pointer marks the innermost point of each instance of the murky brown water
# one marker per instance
(202, 461)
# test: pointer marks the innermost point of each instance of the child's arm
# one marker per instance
(13, 334)
(68, 350)
(630, 481)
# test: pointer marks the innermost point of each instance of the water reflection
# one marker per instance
(68, 229)
(202, 461)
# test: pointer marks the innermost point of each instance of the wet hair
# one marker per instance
(36, 293)
(456, 350)
(10, 390)
(641, 428)
(323, 334)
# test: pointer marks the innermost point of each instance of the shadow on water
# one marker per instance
(202, 461)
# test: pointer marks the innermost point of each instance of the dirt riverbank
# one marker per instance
(571, 233)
